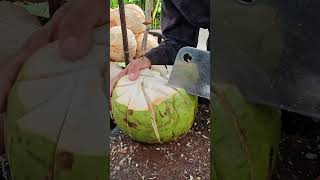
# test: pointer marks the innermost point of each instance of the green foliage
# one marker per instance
(38, 9)
(156, 16)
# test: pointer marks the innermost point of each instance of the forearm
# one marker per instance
(166, 53)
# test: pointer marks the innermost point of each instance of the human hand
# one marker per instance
(132, 70)
(73, 24)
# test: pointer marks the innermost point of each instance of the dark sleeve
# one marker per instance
(178, 33)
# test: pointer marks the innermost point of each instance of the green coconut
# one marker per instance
(149, 111)
(57, 117)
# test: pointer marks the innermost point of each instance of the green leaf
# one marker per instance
(122, 64)
(38, 9)
(245, 137)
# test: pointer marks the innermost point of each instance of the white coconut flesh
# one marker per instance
(38, 66)
(86, 119)
(113, 21)
(126, 82)
(47, 119)
(134, 18)
(35, 93)
(138, 103)
(86, 104)
(164, 70)
(115, 69)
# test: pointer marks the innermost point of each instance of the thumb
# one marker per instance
(75, 34)
(75, 44)
(134, 70)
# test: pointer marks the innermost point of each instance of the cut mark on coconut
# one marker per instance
(33, 120)
(149, 73)
(124, 99)
(150, 81)
(52, 75)
(156, 97)
(138, 102)
(128, 110)
(34, 93)
(155, 85)
(123, 90)
(125, 81)
(55, 163)
(152, 111)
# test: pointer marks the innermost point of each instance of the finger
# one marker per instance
(114, 81)
(75, 33)
(112, 85)
(75, 37)
(133, 71)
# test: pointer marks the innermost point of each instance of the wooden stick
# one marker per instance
(124, 31)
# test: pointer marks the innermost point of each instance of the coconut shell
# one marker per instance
(116, 44)
(113, 21)
(152, 42)
(134, 18)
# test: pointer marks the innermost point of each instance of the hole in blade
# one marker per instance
(187, 58)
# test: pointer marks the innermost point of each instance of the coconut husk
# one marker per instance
(186, 158)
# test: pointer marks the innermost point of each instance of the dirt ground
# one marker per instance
(299, 157)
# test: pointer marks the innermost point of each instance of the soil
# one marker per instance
(186, 158)
(299, 157)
